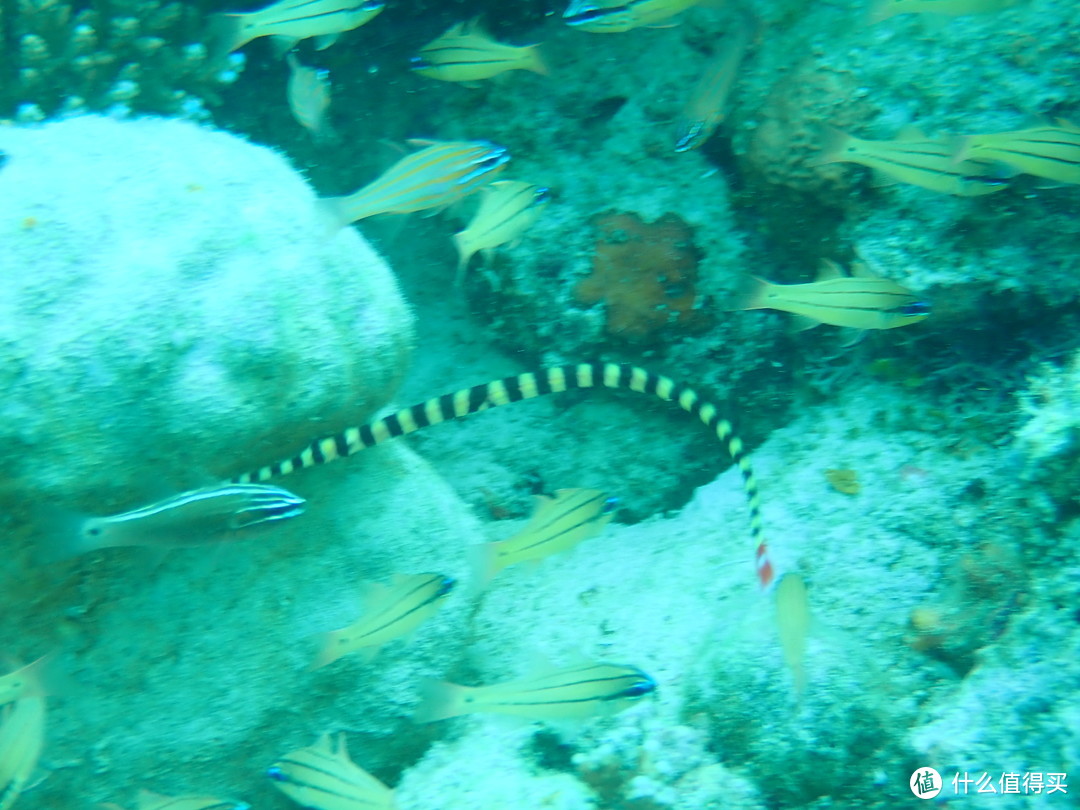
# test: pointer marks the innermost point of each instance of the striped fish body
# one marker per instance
(508, 208)
(617, 16)
(466, 53)
(929, 163)
(148, 800)
(704, 108)
(434, 177)
(291, 21)
(390, 613)
(190, 518)
(1050, 152)
(793, 625)
(861, 301)
(322, 778)
(308, 93)
(577, 692)
(22, 736)
(557, 524)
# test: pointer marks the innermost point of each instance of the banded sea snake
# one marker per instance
(552, 380)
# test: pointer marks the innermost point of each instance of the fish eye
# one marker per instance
(94, 531)
(609, 505)
(419, 63)
(639, 689)
(917, 308)
(446, 585)
(277, 774)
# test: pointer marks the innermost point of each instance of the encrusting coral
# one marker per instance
(128, 55)
(645, 273)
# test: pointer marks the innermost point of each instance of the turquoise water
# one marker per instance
(179, 312)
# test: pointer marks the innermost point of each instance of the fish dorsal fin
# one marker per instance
(539, 666)
(828, 270)
(860, 269)
(372, 594)
(910, 132)
(325, 743)
(421, 143)
(148, 799)
(541, 504)
(342, 748)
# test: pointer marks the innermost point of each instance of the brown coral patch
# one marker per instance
(645, 272)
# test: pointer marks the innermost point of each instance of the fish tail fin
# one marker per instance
(484, 564)
(832, 145)
(750, 295)
(332, 212)
(63, 535)
(45, 678)
(326, 654)
(536, 62)
(226, 34)
(464, 256)
(878, 11)
(439, 700)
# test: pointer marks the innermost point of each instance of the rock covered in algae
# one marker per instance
(173, 310)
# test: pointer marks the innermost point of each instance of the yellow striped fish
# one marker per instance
(557, 524)
(33, 680)
(322, 777)
(915, 159)
(507, 209)
(793, 625)
(617, 16)
(467, 53)
(290, 21)
(553, 380)
(389, 613)
(148, 800)
(434, 177)
(884, 9)
(196, 517)
(584, 690)
(22, 736)
(1050, 152)
(308, 93)
(704, 108)
(859, 301)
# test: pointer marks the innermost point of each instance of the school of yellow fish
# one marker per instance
(437, 175)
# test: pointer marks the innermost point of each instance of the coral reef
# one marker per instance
(645, 273)
(186, 316)
(121, 56)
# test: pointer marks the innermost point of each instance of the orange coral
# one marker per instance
(645, 273)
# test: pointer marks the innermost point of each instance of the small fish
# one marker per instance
(22, 736)
(148, 800)
(389, 613)
(1050, 152)
(34, 680)
(859, 301)
(584, 690)
(506, 211)
(915, 159)
(191, 518)
(617, 16)
(434, 177)
(308, 92)
(557, 524)
(321, 777)
(884, 9)
(793, 625)
(704, 108)
(290, 21)
(467, 53)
